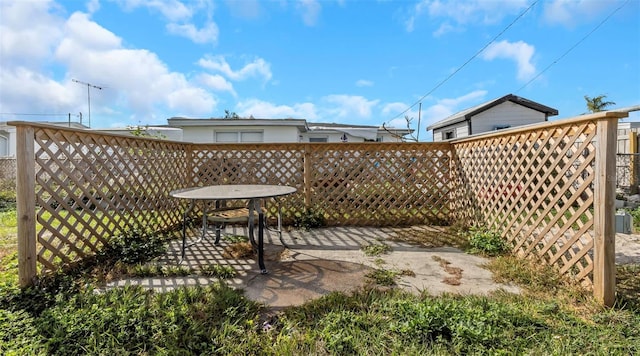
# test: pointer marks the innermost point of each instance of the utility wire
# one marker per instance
(574, 46)
(468, 61)
(30, 114)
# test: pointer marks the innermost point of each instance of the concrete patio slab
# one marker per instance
(325, 260)
(321, 261)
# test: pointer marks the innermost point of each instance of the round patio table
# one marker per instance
(252, 192)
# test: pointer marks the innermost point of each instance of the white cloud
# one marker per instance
(572, 12)
(400, 110)
(173, 10)
(26, 42)
(520, 52)
(446, 107)
(189, 101)
(32, 92)
(310, 11)
(364, 83)
(217, 83)
(444, 29)
(207, 34)
(258, 68)
(462, 13)
(180, 17)
(87, 35)
(93, 6)
(134, 80)
(247, 9)
(264, 110)
(349, 107)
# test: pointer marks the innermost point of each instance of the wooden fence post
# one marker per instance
(307, 176)
(604, 263)
(26, 205)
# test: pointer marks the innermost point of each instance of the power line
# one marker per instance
(33, 114)
(574, 46)
(468, 61)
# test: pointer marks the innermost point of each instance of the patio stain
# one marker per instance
(455, 272)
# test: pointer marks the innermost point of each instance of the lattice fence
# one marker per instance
(536, 187)
(7, 169)
(349, 183)
(627, 172)
(279, 164)
(90, 187)
(380, 184)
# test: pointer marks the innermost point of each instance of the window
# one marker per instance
(239, 136)
(317, 139)
(251, 136)
(449, 135)
(378, 139)
(226, 137)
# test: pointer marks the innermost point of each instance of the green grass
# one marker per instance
(64, 315)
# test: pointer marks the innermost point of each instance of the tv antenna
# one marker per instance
(89, 86)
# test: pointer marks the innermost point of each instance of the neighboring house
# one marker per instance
(235, 130)
(507, 111)
(7, 140)
(163, 132)
(8, 136)
(279, 130)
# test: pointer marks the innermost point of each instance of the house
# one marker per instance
(8, 135)
(507, 111)
(235, 130)
(279, 130)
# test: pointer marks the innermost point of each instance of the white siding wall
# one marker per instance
(461, 129)
(204, 134)
(197, 134)
(507, 113)
(8, 142)
(284, 134)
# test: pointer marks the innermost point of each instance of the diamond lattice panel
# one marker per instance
(90, 187)
(536, 187)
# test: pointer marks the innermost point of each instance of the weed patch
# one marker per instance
(486, 242)
(383, 277)
(376, 249)
(220, 271)
(309, 219)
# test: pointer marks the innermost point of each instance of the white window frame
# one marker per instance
(239, 136)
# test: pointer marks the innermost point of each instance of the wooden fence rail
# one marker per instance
(546, 188)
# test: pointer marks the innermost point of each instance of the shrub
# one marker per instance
(134, 248)
(486, 242)
(309, 219)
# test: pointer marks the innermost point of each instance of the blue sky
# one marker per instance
(360, 62)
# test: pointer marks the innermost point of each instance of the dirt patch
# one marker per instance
(238, 250)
